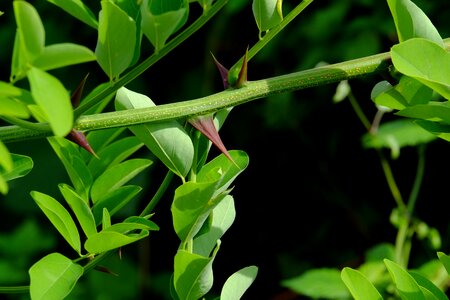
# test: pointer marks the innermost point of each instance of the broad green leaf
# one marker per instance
(59, 217)
(396, 135)
(407, 287)
(433, 111)
(54, 100)
(77, 170)
(167, 140)
(80, 208)
(236, 285)
(411, 22)
(445, 260)
(13, 108)
(428, 287)
(21, 165)
(117, 176)
(162, 18)
(9, 90)
(30, 29)
(62, 55)
(425, 61)
(192, 204)
(113, 154)
(77, 9)
(115, 200)
(222, 217)
(359, 286)
(319, 283)
(113, 237)
(53, 277)
(267, 13)
(193, 276)
(116, 40)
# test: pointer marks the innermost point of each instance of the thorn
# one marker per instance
(223, 72)
(76, 96)
(242, 77)
(79, 138)
(205, 124)
(105, 270)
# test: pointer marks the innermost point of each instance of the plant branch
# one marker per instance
(251, 91)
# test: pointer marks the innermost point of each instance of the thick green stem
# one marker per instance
(251, 91)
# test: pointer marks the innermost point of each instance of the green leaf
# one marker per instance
(13, 108)
(21, 165)
(77, 9)
(445, 260)
(116, 176)
(167, 140)
(113, 154)
(236, 285)
(80, 208)
(222, 217)
(115, 236)
(30, 30)
(6, 161)
(53, 277)
(193, 275)
(359, 286)
(396, 135)
(162, 18)
(411, 22)
(99, 139)
(54, 100)
(115, 200)
(428, 287)
(116, 40)
(433, 111)
(267, 13)
(425, 61)
(59, 217)
(407, 287)
(62, 55)
(318, 283)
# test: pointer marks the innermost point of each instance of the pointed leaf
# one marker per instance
(433, 111)
(53, 99)
(77, 9)
(428, 287)
(267, 14)
(80, 208)
(62, 55)
(404, 282)
(359, 286)
(117, 176)
(116, 40)
(53, 277)
(425, 61)
(30, 29)
(411, 22)
(445, 260)
(110, 238)
(167, 140)
(59, 217)
(13, 108)
(440, 130)
(236, 285)
(21, 165)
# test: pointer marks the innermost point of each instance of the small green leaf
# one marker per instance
(80, 208)
(267, 14)
(433, 111)
(62, 55)
(425, 61)
(21, 165)
(236, 285)
(411, 22)
(53, 277)
(54, 100)
(116, 40)
(193, 276)
(59, 217)
(77, 9)
(359, 286)
(407, 287)
(116, 176)
(319, 283)
(162, 18)
(167, 140)
(30, 29)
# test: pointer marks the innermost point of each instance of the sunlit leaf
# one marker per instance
(77, 9)
(407, 287)
(359, 286)
(21, 165)
(236, 285)
(53, 277)
(62, 55)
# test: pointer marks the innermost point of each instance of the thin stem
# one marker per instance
(391, 183)
(251, 91)
(418, 180)
(138, 70)
(158, 195)
(359, 112)
(27, 124)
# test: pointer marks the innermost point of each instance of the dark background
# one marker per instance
(311, 197)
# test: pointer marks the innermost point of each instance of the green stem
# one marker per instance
(251, 91)
(391, 183)
(90, 101)
(158, 195)
(359, 112)
(418, 180)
